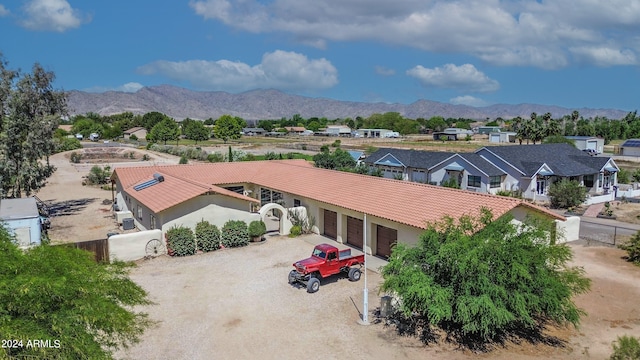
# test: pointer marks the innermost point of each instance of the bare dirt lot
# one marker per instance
(237, 303)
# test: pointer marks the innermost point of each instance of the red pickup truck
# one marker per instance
(325, 260)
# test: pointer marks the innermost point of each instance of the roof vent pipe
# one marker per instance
(158, 177)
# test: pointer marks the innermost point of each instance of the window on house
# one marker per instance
(473, 181)
(296, 202)
(588, 180)
(152, 222)
(139, 212)
(236, 189)
(495, 181)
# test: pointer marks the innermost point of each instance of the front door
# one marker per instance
(540, 186)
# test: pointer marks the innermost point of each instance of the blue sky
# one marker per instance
(571, 53)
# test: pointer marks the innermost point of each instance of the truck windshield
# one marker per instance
(319, 253)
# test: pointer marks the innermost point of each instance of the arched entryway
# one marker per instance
(284, 224)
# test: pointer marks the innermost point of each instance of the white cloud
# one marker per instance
(513, 33)
(51, 15)
(604, 56)
(464, 77)
(128, 87)
(381, 70)
(3, 11)
(468, 100)
(279, 69)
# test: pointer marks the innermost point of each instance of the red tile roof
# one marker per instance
(405, 202)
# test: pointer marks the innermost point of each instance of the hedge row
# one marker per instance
(181, 241)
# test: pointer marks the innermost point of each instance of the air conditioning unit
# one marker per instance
(127, 224)
(120, 215)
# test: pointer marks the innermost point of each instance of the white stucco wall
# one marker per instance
(131, 247)
(568, 230)
(215, 214)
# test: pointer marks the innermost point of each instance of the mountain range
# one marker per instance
(180, 103)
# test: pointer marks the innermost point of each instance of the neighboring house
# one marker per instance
(588, 143)
(338, 130)
(358, 156)
(470, 171)
(253, 131)
(452, 134)
(295, 130)
(373, 133)
(533, 168)
(488, 129)
(630, 147)
(22, 219)
(345, 206)
(139, 132)
(502, 137)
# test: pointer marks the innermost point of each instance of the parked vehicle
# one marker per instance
(326, 260)
(591, 152)
(392, 134)
(79, 136)
(94, 137)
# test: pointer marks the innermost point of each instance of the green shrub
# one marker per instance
(75, 157)
(180, 241)
(145, 157)
(304, 147)
(296, 230)
(257, 228)
(305, 223)
(249, 157)
(133, 137)
(98, 175)
(632, 247)
(207, 236)
(626, 348)
(567, 193)
(66, 144)
(336, 143)
(271, 156)
(215, 157)
(235, 233)
(183, 160)
(624, 176)
(451, 183)
(509, 193)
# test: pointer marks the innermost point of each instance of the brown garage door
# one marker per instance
(354, 232)
(386, 238)
(330, 224)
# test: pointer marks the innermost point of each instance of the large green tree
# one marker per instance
(228, 127)
(30, 113)
(481, 279)
(164, 131)
(195, 130)
(59, 293)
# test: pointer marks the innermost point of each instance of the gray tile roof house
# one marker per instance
(563, 159)
(407, 158)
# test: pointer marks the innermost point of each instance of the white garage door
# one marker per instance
(592, 145)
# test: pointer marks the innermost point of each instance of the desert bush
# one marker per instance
(624, 176)
(257, 228)
(207, 236)
(336, 143)
(451, 183)
(145, 157)
(215, 157)
(305, 223)
(133, 137)
(75, 157)
(98, 175)
(509, 193)
(235, 233)
(632, 247)
(567, 193)
(183, 160)
(295, 231)
(66, 144)
(626, 348)
(271, 156)
(180, 241)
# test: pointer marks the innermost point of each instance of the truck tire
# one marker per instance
(354, 274)
(313, 285)
(292, 276)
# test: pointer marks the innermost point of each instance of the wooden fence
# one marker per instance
(99, 248)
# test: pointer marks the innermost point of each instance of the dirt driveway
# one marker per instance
(237, 304)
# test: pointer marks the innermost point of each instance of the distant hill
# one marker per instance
(180, 103)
